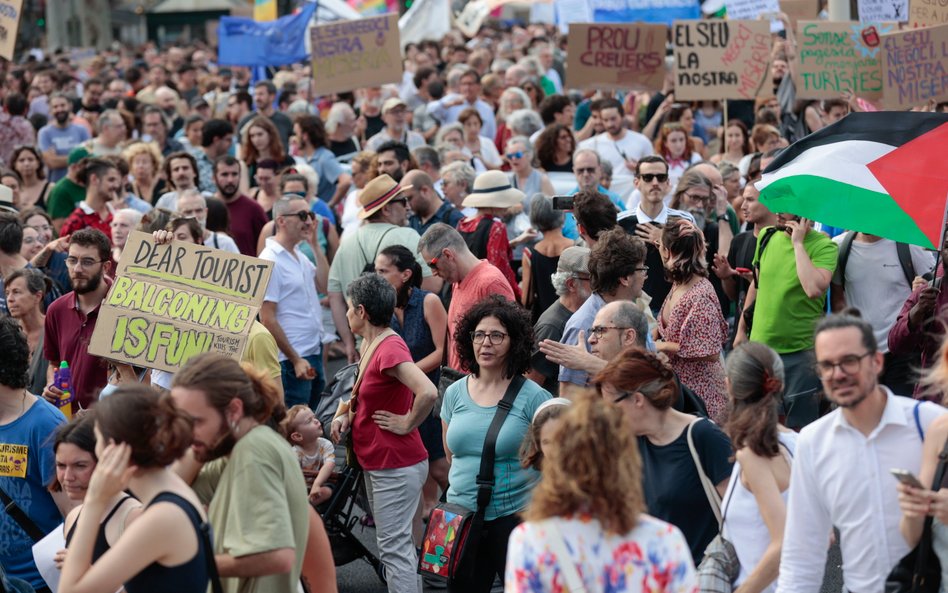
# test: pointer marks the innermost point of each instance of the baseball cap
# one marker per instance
(77, 154)
(392, 104)
(574, 260)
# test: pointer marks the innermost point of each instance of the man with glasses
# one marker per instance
(840, 474)
(395, 116)
(291, 310)
(71, 319)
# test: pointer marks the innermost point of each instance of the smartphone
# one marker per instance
(563, 202)
(907, 478)
(742, 270)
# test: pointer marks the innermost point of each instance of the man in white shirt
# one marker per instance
(447, 109)
(840, 473)
(291, 310)
(621, 147)
(395, 116)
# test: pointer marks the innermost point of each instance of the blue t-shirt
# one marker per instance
(27, 465)
(467, 428)
(324, 163)
(322, 208)
(570, 230)
(64, 140)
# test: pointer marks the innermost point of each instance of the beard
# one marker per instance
(397, 175)
(228, 191)
(62, 117)
(87, 286)
(222, 446)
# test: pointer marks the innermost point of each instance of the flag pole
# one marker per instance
(941, 245)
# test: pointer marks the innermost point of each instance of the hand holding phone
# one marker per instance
(742, 270)
(906, 477)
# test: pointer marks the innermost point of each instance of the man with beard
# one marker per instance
(247, 217)
(840, 474)
(71, 319)
(621, 147)
(216, 140)
(191, 204)
(103, 183)
(181, 171)
(250, 480)
(57, 138)
(394, 160)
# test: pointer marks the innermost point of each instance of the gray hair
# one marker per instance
(133, 215)
(520, 94)
(439, 237)
(606, 167)
(336, 114)
(376, 295)
(500, 65)
(543, 216)
(282, 206)
(559, 280)
(107, 117)
(525, 122)
(522, 141)
(427, 155)
(461, 174)
(629, 315)
(445, 130)
(193, 192)
(455, 74)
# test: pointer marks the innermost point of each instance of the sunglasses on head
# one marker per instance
(303, 215)
(648, 177)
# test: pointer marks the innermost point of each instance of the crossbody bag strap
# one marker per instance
(485, 477)
(574, 582)
(925, 542)
(21, 518)
(714, 499)
(364, 361)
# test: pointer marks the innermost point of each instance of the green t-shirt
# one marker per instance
(64, 197)
(361, 248)
(258, 504)
(784, 317)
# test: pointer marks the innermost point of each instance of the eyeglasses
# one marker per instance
(85, 262)
(586, 171)
(598, 330)
(641, 269)
(515, 155)
(402, 201)
(648, 177)
(303, 215)
(695, 198)
(433, 262)
(848, 364)
(495, 338)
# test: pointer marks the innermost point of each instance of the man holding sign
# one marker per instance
(621, 147)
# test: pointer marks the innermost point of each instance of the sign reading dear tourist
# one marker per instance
(915, 67)
(353, 54)
(171, 302)
(722, 60)
(836, 57)
(616, 56)
(928, 13)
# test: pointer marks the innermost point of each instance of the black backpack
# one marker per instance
(905, 258)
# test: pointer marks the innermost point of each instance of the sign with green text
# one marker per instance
(836, 57)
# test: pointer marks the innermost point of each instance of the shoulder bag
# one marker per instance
(574, 582)
(448, 375)
(453, 532)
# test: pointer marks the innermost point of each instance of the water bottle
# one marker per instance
(63, 380)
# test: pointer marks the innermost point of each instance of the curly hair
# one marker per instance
(149, 149)
(636, 370)
(514, 318)
(276, 146)
(661, 144)
(583, 473)
(686, 251)
(615, 256)
(546, 145)
(14, 372)
(756, 381)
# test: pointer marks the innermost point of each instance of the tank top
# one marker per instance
(415, 330)
(542, 268)
(101, 545)
(940, 546)
(189, 577)
(743, 524)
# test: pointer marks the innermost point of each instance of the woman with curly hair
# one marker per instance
(592, 498)
(145, 162)
(555, 147)
(645, 389)
(691, 328)
(756, 500)
(262, 142)
(494, 342)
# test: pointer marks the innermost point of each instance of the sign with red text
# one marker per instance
(616, 56)
(836, 57)
(348, 55)
(927, 13)
(915, 67)
(722, 60)
(9, 25)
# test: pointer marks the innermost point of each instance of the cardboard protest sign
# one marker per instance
(722, 60)
(800, 10)
(838, 56)
(171, 302)
(352, 54)
(915, 67)
(9, 25)
(617, 56)
(927, 13)
(879, 11)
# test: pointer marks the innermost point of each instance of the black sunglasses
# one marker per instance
(648, 177)
(303, 215)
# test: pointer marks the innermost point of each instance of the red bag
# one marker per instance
(447, 535)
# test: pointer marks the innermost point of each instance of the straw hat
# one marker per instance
(378, 192)
(492, 189)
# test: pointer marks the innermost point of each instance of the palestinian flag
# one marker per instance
(883, 173)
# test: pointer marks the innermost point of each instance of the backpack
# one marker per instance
(903, 250)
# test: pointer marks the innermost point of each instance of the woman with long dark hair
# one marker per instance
(555, 147)
(27, 162)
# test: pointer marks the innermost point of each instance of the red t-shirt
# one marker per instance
(484, 280)
(81, 219)
(247, 219)
(374, 447)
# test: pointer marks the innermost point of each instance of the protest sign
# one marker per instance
(572, 11)
(619, 56)
(928, 13)
(878, 11)
(915, 67)
(722, 60)
(645, 11)
(171, 302)
(799, 10)
(835, 57)
(750, 9)
(353, 54)
(9, 25)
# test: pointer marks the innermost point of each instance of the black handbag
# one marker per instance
(919, 571)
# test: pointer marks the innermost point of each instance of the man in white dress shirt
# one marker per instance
(840, 474)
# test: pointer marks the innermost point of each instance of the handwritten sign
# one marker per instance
(750, 9)
(353, 54)
(800, 10)
(171, 302)
(878, 11)
(616, 56)
(722, 60)
(835, 57)
(9, 25)
(928, 13)
(13, 460)
(915, 67)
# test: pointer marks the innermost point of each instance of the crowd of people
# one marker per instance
(673, 364)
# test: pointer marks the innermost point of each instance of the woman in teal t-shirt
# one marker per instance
(494, 342)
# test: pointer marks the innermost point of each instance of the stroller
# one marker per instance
(341, 512)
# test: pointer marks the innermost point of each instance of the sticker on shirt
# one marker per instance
(13, 460)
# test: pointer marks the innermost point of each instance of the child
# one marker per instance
(545, 420)
(316, 454)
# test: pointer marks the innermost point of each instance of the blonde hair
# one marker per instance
(289, 425)
(592, 468)
(136, 149)
(934, 381)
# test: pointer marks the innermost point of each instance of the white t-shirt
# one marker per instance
(875, 283)
(632, 146)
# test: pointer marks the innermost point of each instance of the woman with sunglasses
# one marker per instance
(644, 389)
(523, 175)
(555, 147)
(494, 343)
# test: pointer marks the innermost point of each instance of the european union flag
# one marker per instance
(246, 42)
